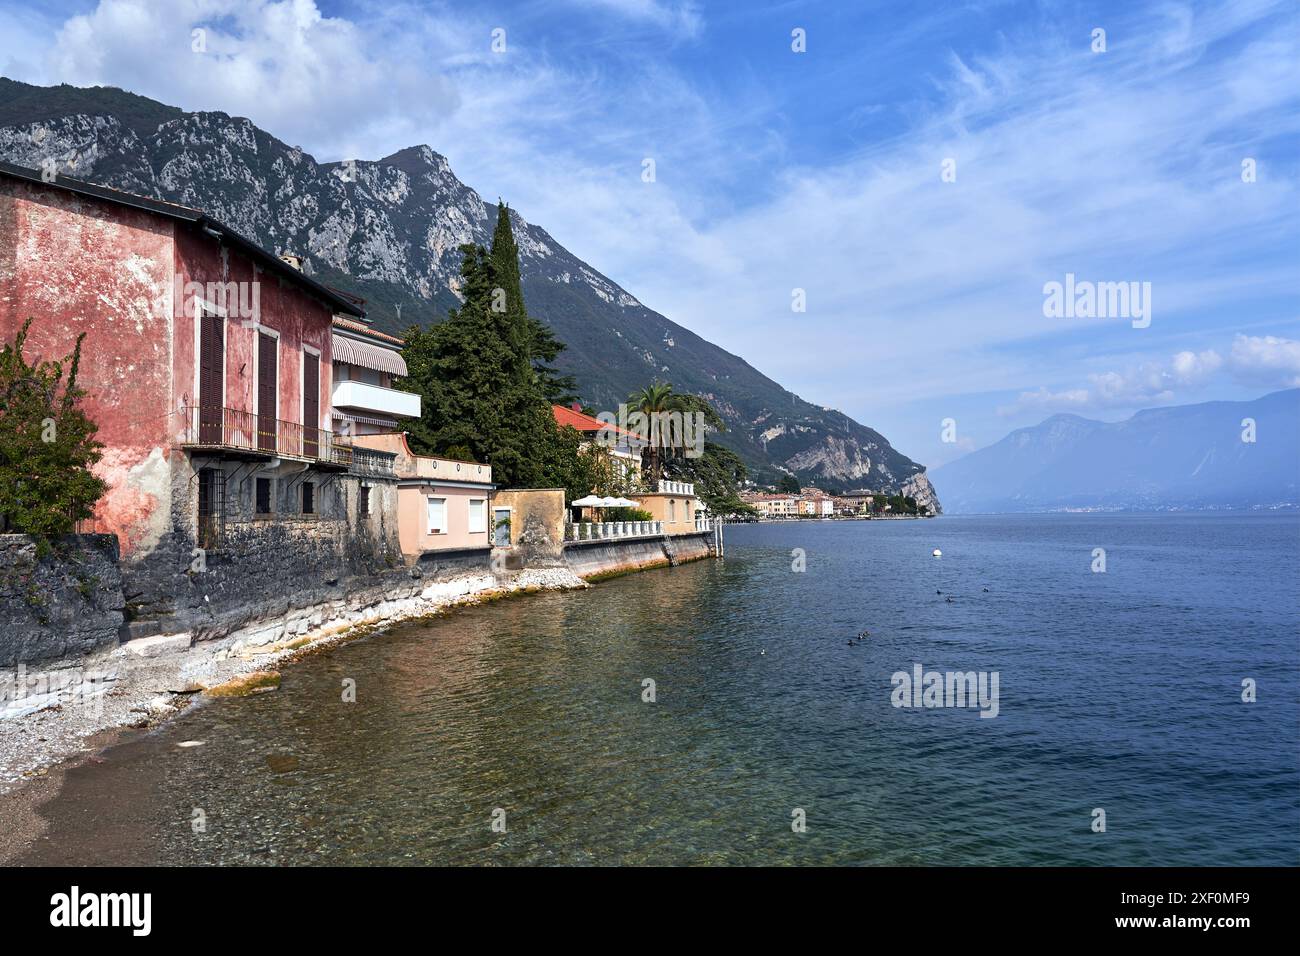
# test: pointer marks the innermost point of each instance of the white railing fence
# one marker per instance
(612, 530)
(609, 530)
(677, 488)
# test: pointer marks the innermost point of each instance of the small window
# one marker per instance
(437, 516)
(263, 494)
(309, 497)
(363, 502)
(478, 516)
(672, 509)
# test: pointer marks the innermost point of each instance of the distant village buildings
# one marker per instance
(810, 503)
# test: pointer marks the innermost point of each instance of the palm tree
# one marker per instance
(655, 399)
(658, 398)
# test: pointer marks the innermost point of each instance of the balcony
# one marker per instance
(241, 433)
(358, 396)
(372, 463)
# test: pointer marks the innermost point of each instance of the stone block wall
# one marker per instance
(261, 566)
(536, 524)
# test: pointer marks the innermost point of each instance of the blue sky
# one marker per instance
(821, 171)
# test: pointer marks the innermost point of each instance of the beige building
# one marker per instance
(624, 447)
(855, 502)
(774, 506)
(675, 504)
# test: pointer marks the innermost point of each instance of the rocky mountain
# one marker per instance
(1184, 457)
(389, 229)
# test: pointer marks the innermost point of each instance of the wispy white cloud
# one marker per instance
(682, 17)
(1258, 361)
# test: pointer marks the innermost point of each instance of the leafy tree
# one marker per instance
(717, 476)
(47, 444)
(565, 464)
(788, 485)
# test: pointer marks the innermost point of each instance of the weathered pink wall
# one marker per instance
(80, 265)
(298, 318)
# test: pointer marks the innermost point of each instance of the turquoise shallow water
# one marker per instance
(1118, 691)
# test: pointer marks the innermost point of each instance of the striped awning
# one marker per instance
(364, 419)
(369, 356)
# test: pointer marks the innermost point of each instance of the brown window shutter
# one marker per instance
(211, 371)
(311, 405)
(267, 387)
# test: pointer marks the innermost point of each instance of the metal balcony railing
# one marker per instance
(237, 430)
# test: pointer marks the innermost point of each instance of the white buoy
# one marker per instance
(937, 553)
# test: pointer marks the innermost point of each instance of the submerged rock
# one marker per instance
(255, 683)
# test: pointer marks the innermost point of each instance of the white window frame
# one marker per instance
(473, 529)
(428, 523)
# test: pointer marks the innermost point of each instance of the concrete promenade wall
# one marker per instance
(600, 557)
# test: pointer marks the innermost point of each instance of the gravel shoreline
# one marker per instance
(54, 719)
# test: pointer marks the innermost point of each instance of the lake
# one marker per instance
(1118, 691)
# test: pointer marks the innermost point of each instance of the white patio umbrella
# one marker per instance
(590, 501)
(623, 503)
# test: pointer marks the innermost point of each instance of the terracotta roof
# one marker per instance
(585, 423)
(363, 329)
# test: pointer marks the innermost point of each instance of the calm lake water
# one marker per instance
(1119, 691)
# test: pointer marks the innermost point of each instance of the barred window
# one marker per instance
(212, 507)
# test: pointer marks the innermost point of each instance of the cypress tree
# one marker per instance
(534, 338)
(475, 372)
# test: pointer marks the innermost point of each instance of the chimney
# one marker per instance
(576, 406)
(290, 259)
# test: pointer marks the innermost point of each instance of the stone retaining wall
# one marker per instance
(58, 599)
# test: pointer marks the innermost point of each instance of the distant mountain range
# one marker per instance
(1184, 457)
(389, 230)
